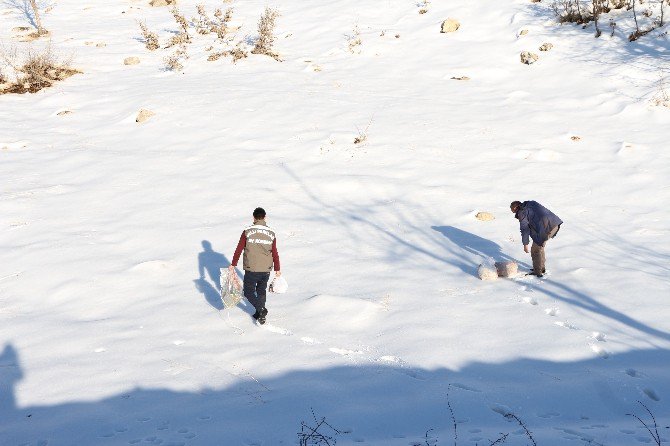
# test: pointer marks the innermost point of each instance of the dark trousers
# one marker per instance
(255, 286)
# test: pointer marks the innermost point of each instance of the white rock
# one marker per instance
(487, 272)
(529, 58)
(507, 269)
(162, 2)
(144, 115)
(485, 216)
(450, 26)
(546, 46)
(131, 60)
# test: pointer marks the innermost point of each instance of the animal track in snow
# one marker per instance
(600, 351)
(465, 387)
(566, 325)
(530, 300)
(600, 337)
(553, 311)
(345, 352)
(651, 394)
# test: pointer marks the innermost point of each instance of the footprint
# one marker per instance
(278, 330)
(465, 387)
(204, 418)
(600, 337)
(121, 429)
(566, 325)
(551, 311)
(345, 352)
(600, 351)
(632, 373)
(530, 300)
(183, 430)
(651, 394)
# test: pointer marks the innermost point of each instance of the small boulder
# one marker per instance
(131, 60)
(485, 216)
(144, 116)
(64, 112)
(450, 26)
(507, 269)
(523, 32)
(487, 272)
(529, 58)
(162, 2)
(546, 46)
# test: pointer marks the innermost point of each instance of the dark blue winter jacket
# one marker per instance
(536, 221)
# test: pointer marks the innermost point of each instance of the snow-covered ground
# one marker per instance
(112, 232)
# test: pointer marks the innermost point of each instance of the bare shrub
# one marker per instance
(662, 96)
(174, 61)
(266, 38)
(220, 26)
(571, 11)
(424, 6)
(36, 70)
(355, 41)
(363, 134)
(182, 37)
(203, 24)
(150, 38)
(321, 433)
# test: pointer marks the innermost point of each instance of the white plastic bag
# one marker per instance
(231, 288)
(278, 285)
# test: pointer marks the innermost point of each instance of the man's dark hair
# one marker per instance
(259, 213)
(514, 204)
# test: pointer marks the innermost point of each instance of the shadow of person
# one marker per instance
(210, 263)
(473, 244)
(10, 374)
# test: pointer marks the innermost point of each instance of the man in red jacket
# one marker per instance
(259, 244)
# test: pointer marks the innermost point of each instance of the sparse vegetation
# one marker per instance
(354, 41)
(423, 6)
(150, 38)
(33, 71)
(321, 433)
(652, 427)
(266, 38)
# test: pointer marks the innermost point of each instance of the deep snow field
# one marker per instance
(112, 233)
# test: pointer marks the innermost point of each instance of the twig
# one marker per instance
(522, 424)
(451, 412)
(654, 435)
(500, 440)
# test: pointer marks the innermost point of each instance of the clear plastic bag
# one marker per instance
(231, 288)
(278, 285)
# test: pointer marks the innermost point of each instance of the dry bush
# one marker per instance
(182, 37)
(571, 11)
(355, 41)
(662, 96)
(236, 53)
(266, 37)
(150, 38)
(174, 61)
(203, 24)
(36, 70)
(221, 25)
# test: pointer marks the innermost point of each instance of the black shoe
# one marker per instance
(261, 320)
(263, 312)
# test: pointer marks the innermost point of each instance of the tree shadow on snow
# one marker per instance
(466, 242)
(372, 402)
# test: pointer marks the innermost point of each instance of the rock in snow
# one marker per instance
(529, 58)
(485, 216)
(450, 25)
(144, 115)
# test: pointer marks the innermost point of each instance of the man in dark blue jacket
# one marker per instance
(538, 223)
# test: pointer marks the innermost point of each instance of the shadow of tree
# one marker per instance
(561, 402)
